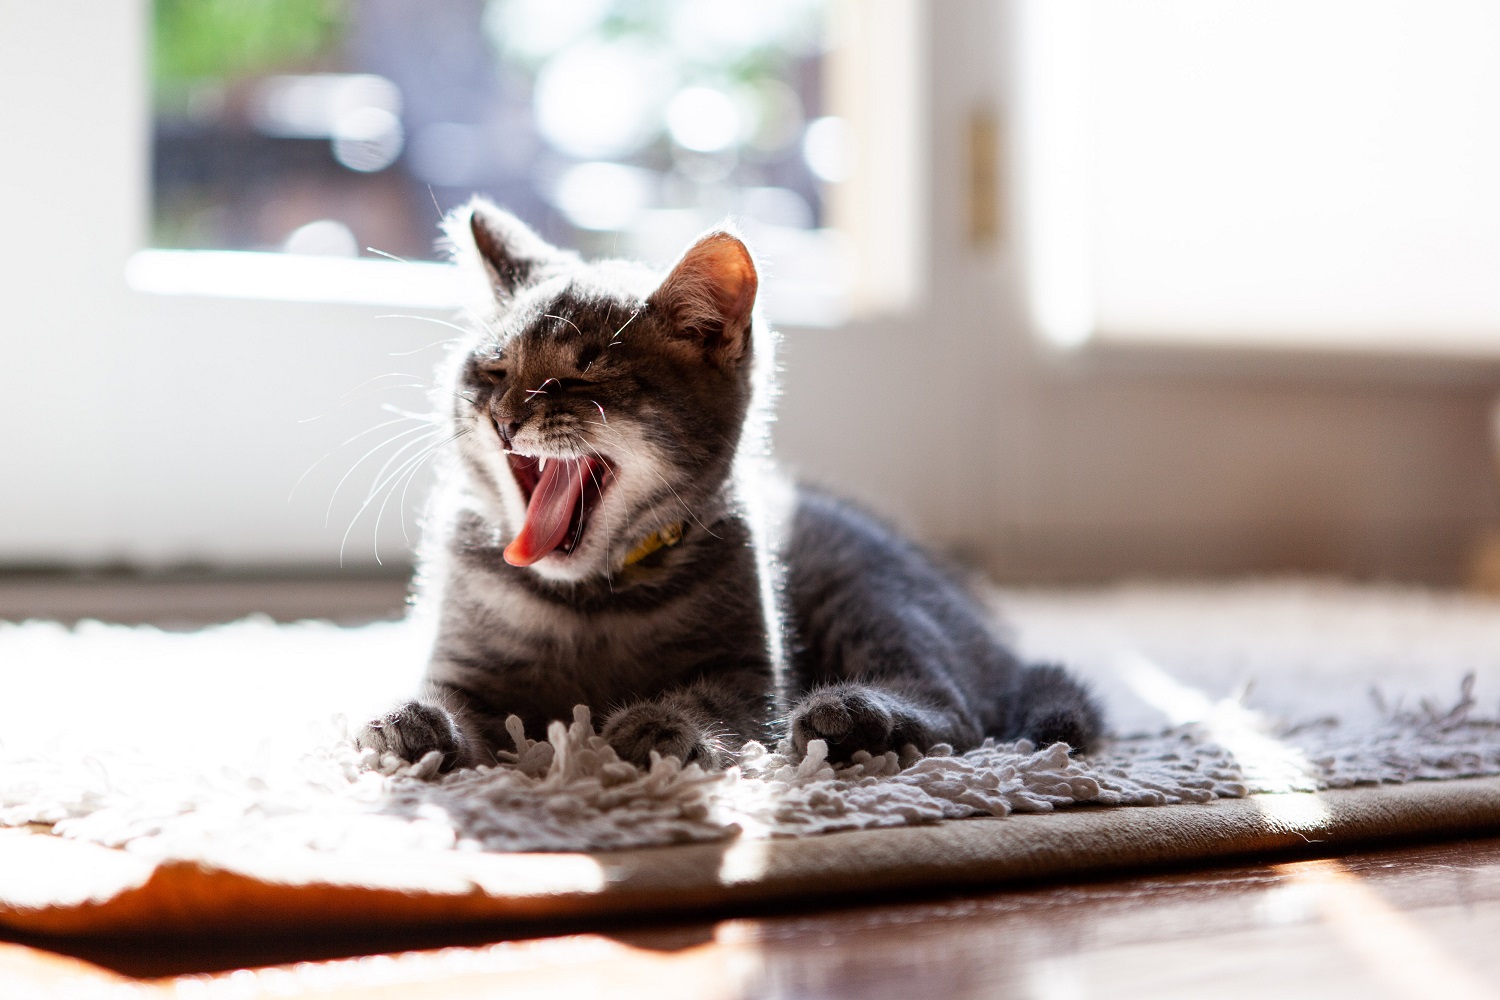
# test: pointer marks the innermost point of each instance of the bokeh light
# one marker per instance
(583, 117)
(602, 100)
(323, 238)
(703, 119)
(603, 196)
(828, 148)
(367, 139)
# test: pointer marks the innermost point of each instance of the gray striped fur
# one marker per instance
(779, 611)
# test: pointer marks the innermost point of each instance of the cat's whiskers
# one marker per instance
(423, 445)
(420, 382)
(410, 478)
(419, 350)
(478, 324)
(582, 507)
(608, 536)
(357, 393)
(410, 474)
(426, 319)
(636, 460)
(360, 391)
(435, 418)
(328, 514)
(415, 459)
(616, 338)
(563, 319)
(392, 458)
(351, 394)
(722, 438)
(541, 390)
(404, 417)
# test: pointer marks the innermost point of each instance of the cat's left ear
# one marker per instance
(511, 254)
(710, 294)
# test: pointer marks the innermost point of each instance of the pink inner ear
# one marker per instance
(714, 284)
(732, 274)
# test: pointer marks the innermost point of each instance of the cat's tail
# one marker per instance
(1051, 706)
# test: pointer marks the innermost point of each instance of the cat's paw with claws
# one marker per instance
(413, 731)
(636, 730)
(848, 719)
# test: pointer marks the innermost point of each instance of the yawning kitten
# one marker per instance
(611, 532)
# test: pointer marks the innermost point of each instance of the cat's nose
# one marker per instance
(508, 413)
(506, 429)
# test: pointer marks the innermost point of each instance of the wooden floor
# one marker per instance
(1403, 923)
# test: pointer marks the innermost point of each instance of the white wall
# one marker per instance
(1096, 466)
(158, 429)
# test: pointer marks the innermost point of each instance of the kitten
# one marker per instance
(610, 531)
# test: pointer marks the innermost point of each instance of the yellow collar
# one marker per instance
(656, 541)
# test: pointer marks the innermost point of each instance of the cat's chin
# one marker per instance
(569, 567)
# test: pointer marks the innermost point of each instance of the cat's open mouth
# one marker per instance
(561, 497)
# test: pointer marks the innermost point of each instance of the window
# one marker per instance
(344, 130)
(1294, 173)
(181, 404)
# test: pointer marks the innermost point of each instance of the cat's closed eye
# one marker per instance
(564, 384)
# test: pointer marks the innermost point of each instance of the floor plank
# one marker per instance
(1400, 923)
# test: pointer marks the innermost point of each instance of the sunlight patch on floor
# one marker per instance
(1269, 763)
(1400, 952)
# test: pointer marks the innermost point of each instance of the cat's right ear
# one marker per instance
(710, 293)
(510, 252)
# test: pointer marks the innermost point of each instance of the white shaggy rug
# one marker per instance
(182, 745)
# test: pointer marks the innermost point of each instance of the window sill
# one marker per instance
(285, 277)
(1314, 358)
(423, 285)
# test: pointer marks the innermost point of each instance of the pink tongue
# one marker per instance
(550, 511)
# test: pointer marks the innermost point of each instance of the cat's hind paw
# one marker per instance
(636, 730)
(1055, 708)
(413, 731)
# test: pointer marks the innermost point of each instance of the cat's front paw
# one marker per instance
(636, 730)
(413, 731)
(848, 719)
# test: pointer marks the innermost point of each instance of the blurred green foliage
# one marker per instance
(221, 40)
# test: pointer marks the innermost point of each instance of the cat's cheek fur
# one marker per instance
(489, 470)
